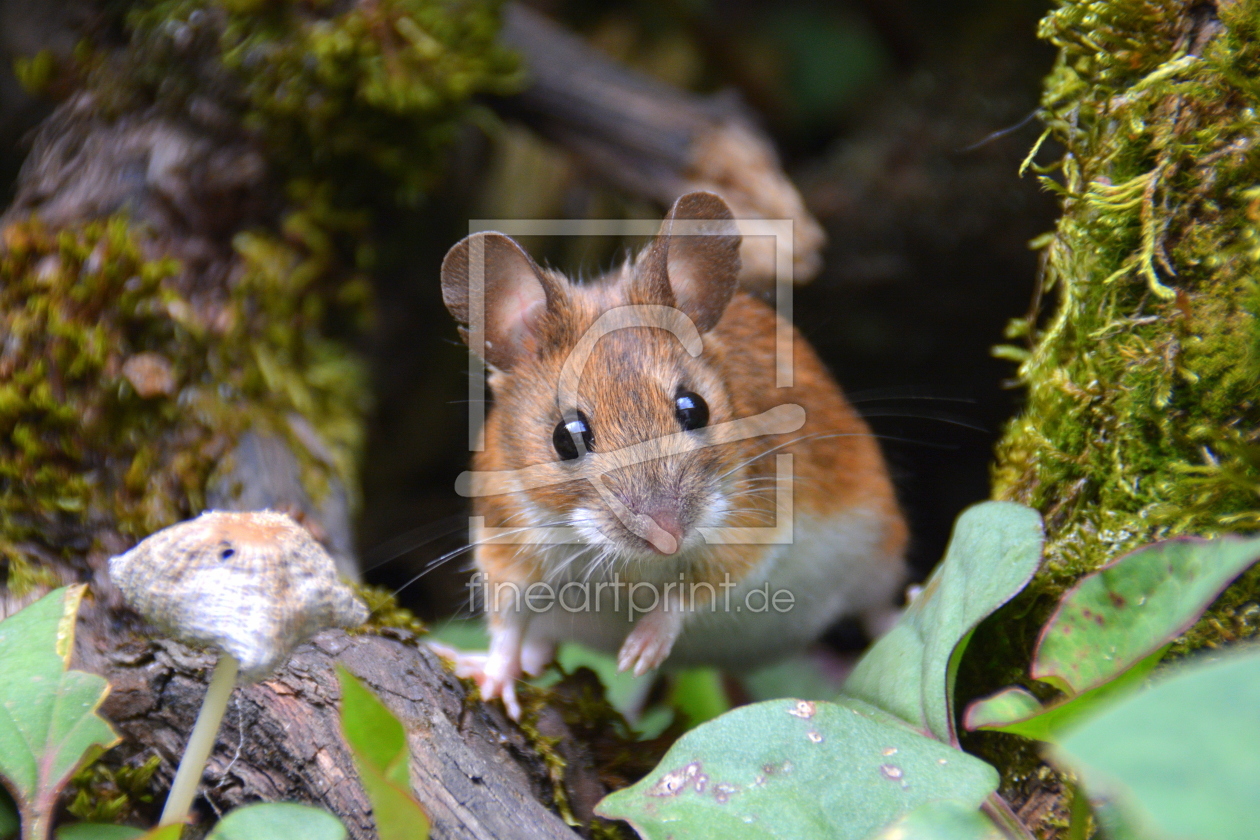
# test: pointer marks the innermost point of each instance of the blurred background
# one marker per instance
(903, 124)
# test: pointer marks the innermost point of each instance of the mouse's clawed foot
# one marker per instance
(465, 664)
(499, 680)
(495, 673)
(651, 640)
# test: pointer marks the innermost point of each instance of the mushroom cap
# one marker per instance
(255, 585)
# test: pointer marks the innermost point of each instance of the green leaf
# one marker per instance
(165, 832)
(1116, 824)
(1110, 631)
(1013, 709)
(1182, 757)
(910, 672)
(1135, 605)
(377, 738)
(48, 720)
(699, 695)
(941, 821)
(807, 675)
(796, 769)
(277, 820)
(378, 743)
(1018, 712)
(100, 831)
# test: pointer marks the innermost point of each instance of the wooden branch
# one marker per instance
(475, 775)
(652, 140)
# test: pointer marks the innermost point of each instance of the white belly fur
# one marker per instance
(833, 568)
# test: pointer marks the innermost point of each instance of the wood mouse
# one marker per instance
(634, 442)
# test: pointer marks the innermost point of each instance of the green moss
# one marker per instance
(351, 104)
(74, 306)
(1142, 418)
(364, 96)
(1143, 412)
(615, 750)
(105, 794)
(601, 829)
(35, 73)
(384, 611)
(290, 366)
(534, 703)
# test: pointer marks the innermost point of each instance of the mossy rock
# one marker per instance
(122, 388)
(351, 106)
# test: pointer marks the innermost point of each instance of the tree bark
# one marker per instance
(475, 775)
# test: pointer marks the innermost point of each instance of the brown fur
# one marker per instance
(534, 320)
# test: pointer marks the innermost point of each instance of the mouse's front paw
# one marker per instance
(494, 674)
(465, 664)
(499, 680)
(650, 642)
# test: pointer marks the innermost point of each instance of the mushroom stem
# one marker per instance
(200, 742)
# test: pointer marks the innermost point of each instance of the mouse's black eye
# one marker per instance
(691, 410)
(573, 437)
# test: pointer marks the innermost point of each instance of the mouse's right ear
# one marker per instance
(488, 279)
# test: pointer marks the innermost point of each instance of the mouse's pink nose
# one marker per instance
(665, 531)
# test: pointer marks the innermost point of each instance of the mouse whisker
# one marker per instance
(773, 449)
(937, 416)
(397, 546)
(451, 555)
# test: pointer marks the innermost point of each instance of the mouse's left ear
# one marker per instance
(694, 261)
